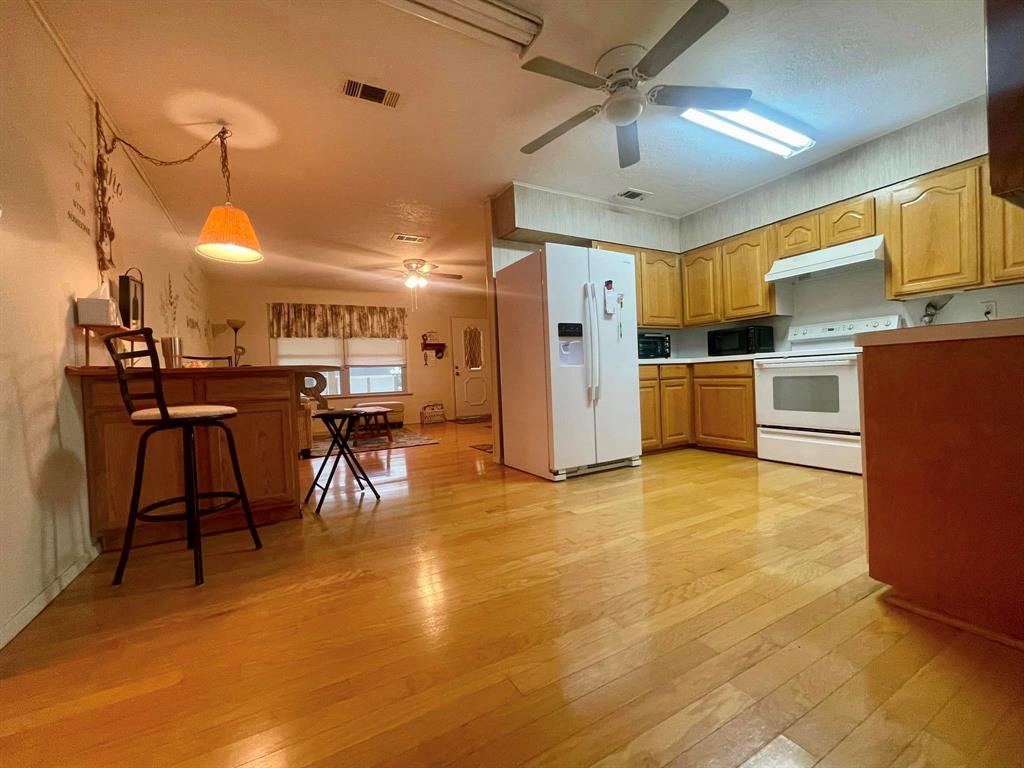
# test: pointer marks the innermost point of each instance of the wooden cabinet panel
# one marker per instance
(660, 300)
(650, 415)
(724, 414)
(1003, 237)
(649, 372)
(676, 412)
(796, 236)
(733, 368)
(933, 232)
(701, 290)
(744, 262)
(674, 371)
(846, 221)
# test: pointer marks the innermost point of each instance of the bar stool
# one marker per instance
(340, 424)
(160, 419)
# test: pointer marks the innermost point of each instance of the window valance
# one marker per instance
(341, 321)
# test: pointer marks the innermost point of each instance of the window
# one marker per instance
(312, 352)
(375, 366)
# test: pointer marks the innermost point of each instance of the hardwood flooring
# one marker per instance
(702, 610)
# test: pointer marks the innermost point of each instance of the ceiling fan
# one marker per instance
(622, 70)
(418, 272)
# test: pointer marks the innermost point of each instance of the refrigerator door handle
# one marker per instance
(588, 350)
(595, 340)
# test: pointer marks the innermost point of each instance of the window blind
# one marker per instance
(374, 352)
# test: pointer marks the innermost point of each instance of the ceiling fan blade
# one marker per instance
(446, 275)
(690, 28)
(559, 129)
(629, 144)
(545, 66)
(686, 96)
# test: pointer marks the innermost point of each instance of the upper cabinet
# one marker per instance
(701, 295)
(744, 262)
(660, 295)
(932, 229)
(846, 221)
(796, 236)
(1003, 237)
(659, 299)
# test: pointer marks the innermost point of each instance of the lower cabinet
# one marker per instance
(650, 413)
(723, 406)
(676, 412)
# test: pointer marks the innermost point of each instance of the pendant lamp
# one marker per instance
(228, 234)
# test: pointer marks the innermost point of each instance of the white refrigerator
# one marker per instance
(570, 393)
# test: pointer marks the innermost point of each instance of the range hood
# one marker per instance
(839, 258)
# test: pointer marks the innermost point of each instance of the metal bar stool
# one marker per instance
(340, 424)
(160, 419)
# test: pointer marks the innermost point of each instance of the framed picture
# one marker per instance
(131, 299)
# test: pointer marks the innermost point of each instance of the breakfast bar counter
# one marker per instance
(943, 424)
(265, 430)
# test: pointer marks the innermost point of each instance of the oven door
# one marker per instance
(809, 393)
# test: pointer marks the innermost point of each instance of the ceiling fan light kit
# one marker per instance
(623, 69)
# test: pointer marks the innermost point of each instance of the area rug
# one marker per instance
(402, 438)
(473, 419)
(485, 447)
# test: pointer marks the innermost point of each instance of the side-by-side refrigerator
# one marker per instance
(570, 397)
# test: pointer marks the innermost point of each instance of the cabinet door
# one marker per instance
(744, 262)
(1003, 237)
(724, 414)
(846, 221)
(661, 295)
(701, 290)
(933, 233)
(796, 236)
(676, 412)
(650, 416)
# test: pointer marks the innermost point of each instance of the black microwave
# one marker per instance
(746, 340)
(653, 345)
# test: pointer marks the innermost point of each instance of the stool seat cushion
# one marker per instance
(185, 412)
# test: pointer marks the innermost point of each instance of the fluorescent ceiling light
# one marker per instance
(744, 125)
(491, 21)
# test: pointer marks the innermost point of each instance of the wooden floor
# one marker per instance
(702, 610)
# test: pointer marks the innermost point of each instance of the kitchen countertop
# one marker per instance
(984, 329)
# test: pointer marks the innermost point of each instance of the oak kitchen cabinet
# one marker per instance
(833, 225)
(702, 303)
(1003, 237)
(666, 406)
(650, 408)
(745, 260)
(723, 406)
(659, 293)
(932, 228)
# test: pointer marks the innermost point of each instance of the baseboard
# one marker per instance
(35, 606)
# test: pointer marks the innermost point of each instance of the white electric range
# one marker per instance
(808, 398)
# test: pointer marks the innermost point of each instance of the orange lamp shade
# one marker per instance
(228, 236)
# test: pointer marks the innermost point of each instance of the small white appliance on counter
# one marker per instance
(570, 398)
(808, 399)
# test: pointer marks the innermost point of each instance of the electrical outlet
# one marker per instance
(988, 308)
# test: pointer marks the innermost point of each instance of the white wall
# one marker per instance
(46, 135)
(436, 308)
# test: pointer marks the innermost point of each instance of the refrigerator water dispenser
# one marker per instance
(570, 354)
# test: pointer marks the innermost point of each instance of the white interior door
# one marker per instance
(472, 361)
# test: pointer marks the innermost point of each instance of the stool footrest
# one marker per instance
(145, 512)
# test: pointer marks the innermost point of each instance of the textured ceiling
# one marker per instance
(327, 180)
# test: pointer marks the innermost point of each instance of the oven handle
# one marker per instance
(829, 364)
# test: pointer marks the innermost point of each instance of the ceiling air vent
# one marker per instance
(373, 93)
(404, 238)
(634, 194)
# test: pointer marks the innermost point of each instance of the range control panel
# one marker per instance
(839, 329)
